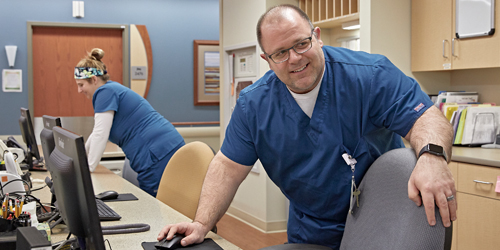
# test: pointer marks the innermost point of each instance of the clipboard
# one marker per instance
(474, 18)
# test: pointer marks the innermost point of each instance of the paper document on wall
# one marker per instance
(480, 125)
(12, 80)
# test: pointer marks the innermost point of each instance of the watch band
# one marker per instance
(433, 149)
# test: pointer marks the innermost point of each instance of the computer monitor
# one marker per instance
(29, 138)
(47, 137)
(73, 187)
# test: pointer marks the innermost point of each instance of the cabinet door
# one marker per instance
(479, 220)
(478, 52)
(431, 35)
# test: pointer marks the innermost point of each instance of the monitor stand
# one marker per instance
(39, 167)
(34, 165)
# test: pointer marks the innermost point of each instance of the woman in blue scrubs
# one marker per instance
(128, 120)
(315, 104)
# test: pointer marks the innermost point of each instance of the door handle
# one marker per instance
(444, 41)
(453, 47)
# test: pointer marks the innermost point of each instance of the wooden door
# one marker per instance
(477, 52)
(430, 32)
(56, 51)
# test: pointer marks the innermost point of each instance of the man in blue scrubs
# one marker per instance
(317, 103)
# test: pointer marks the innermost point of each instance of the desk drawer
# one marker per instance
(478, 180)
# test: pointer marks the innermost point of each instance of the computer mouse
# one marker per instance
(107, 195)
(174, 243)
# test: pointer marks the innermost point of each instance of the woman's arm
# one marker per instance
(97, 140)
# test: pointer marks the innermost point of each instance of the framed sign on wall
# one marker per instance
(206, 72)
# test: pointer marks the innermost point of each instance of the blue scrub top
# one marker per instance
(364, 106)
(144, 135)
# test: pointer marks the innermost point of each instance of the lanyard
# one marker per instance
(350, 161)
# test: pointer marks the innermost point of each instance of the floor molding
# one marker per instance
(265, 227)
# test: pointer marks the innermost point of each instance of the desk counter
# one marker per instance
(477, 155)
(145, 210)
(112, 150)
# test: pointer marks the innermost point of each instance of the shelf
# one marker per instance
(330, 13)
(336, 22)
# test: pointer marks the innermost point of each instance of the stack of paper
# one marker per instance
(480, 125)
(459, 97)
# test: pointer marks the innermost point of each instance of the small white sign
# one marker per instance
(12, 80)
(139, 72)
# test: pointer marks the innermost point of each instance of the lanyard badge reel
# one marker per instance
(355, 192)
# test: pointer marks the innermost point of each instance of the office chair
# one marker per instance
(129, 174)
(386, 218)
(182, 179)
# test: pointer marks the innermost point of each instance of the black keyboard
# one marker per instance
(42, 217)
(105, 212)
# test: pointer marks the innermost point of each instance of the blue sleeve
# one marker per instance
(238, 143)
(105, 99)
(396, 100)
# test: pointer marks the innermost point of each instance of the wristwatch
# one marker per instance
(433, 149)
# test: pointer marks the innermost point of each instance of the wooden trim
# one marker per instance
(143, 31)
(194, 123)
(126, 55)
(257, 223)
(31, 99)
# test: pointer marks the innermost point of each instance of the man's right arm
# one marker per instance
(219, 187)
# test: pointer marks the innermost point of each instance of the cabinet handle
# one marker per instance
(484, 182)
(453, 47)
(444, 41)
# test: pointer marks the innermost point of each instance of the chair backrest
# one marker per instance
(386, 218)
(128, 173)
(182, 179)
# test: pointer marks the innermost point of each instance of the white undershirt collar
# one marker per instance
(307, 100)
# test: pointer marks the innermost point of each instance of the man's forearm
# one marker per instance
(223, 179)
(431, 127)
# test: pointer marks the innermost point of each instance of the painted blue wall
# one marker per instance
(172, 26)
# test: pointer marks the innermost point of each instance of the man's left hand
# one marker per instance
(432, 183)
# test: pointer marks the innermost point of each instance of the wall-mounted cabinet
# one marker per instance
(330, 13)
(434, 44)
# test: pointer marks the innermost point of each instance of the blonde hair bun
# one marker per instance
(97, 53)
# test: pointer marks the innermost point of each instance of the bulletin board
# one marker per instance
(474, 18)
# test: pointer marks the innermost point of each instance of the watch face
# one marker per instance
(435, 148)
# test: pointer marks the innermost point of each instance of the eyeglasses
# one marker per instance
(301, 47)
